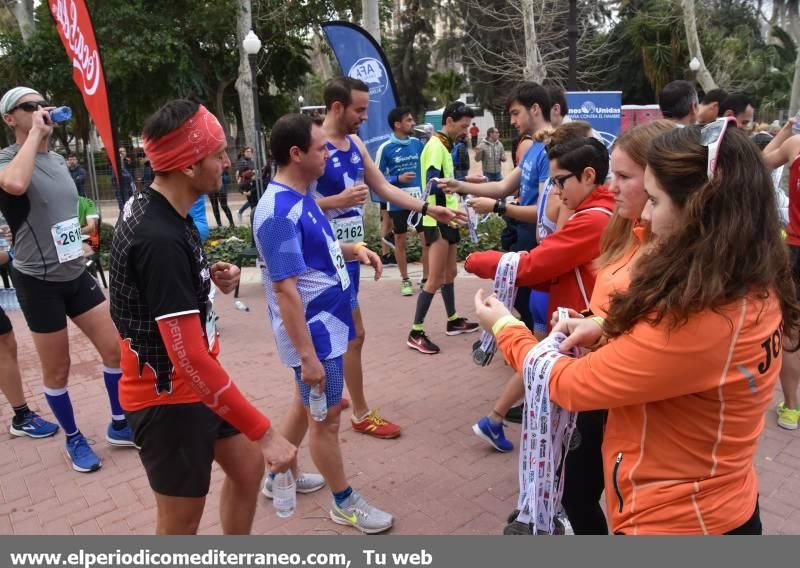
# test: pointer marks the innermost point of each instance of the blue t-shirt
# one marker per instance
(535, 170)
(341, 170)
(396, 157)
(198, 215)
(294, 238)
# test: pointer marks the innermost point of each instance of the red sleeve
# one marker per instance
(483, 264)
(572, 246)
(188, 352)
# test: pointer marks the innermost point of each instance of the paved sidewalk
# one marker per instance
(437, 478)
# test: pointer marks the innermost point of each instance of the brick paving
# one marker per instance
(437, 478)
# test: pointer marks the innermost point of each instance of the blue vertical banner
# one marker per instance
(360, 57)
(601, 109)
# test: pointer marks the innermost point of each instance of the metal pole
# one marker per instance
(572, 32)
(257, 117)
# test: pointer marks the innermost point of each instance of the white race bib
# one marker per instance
(348, 229)
(67, 238)
(415, 192)
(211, 325)
(341, 266)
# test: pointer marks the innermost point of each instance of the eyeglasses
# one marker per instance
(30, 106)
(559, 181)
(711, 137)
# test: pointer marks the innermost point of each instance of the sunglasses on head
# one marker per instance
(711, 137)
(30, 106)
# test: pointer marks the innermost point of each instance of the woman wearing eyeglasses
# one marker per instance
(562, 263)
(693, 346)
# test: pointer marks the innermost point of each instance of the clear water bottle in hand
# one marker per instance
(796, 125)
(318, 404)
(284, 494)
(360, 181)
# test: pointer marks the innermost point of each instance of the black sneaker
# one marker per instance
(422, 283)
(419, 341)
(388, 240)
(388, 259)
(514, 414)
(461, 325)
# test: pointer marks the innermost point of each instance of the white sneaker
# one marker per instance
(305, 483)
(356, 512)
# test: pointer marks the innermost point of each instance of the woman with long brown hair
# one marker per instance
(693, 345)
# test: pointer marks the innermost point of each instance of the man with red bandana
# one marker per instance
(183, 408)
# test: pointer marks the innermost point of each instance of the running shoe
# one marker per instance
(33, 426)
(419, 341)
(121, 437)
(514, 414)
(388, 259)
(493, 434)
(788, 417)
(422, 283)
(461, 325)
(406, 288)
(83, 457)
(305, 483)
(374, 425)
(356, 512)
(388, 240)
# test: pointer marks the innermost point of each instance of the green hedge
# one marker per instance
(220, 245)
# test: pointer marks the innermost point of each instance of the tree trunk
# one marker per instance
(534, 67)
(23, 12)
(244, 85)
(219, 108)
(793, 17)
(703, 75)
(320, 62)
(369, 14)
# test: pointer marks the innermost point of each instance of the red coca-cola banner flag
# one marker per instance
(75, 28)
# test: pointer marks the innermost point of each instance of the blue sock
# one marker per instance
(111, 378)
(61, 405)
(342, 496)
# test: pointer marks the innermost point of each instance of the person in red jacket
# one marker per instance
(562, 263)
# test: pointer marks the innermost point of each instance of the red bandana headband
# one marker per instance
(188, 144)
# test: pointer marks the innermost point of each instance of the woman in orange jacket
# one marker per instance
(693, 346)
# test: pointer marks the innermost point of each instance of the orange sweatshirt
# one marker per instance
(686, 408)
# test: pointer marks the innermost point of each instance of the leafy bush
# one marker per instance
(225, 244)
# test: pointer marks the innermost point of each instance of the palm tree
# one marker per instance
(445, 86)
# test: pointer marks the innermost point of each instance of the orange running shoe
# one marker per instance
(374, 425)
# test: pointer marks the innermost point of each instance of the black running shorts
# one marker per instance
(5, 323)
(176, 446)
(448, 233)
(46, 305)
(400, 221)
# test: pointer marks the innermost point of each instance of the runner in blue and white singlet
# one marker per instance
(341, 172)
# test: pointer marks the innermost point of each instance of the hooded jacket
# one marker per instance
(562, 263)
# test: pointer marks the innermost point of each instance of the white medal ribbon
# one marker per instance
(416, 216)
(505, 289)
(544, 441)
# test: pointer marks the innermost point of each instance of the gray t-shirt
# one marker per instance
(41, 220)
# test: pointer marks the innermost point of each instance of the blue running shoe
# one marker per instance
(34, 426)
(121, 437)
(83, 457)
(492, 433)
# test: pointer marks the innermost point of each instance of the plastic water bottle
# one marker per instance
(796, 125)
(318, 404)
(284, 494)
(360, 181)
(241, 306)
(61, 114)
